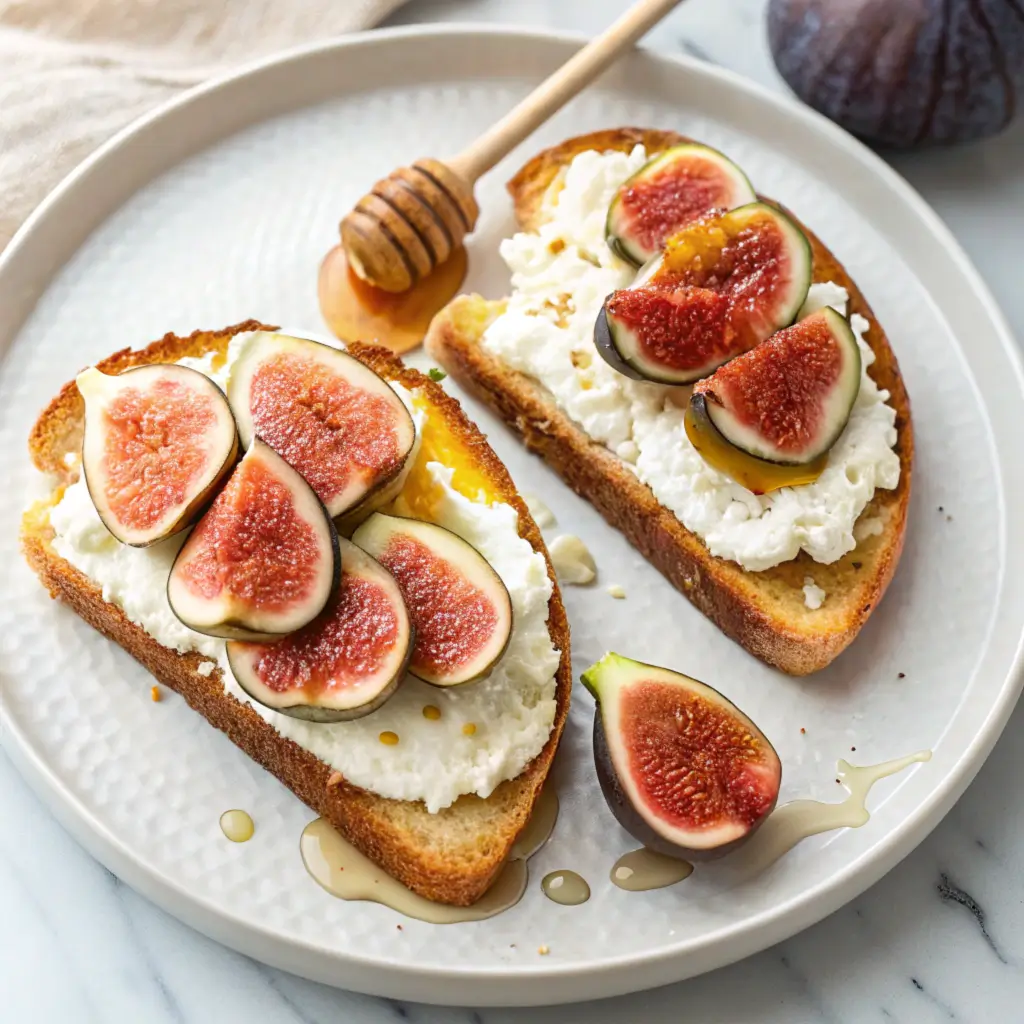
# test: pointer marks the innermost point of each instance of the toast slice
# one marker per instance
(451, 856)
(764, 611)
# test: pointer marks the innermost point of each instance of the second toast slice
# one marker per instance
(765, 611)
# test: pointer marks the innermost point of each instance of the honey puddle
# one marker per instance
(800, 819)
(237, 826)
(566, 888)
(643, 869)
(337, 866)
(356, 311)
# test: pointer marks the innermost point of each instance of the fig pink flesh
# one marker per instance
(454, 619)
(777, 387)
(657, 205)
(151, 450)
(330, 431)
(750, 266)
(253, 544)
(695, 764)
(684, 329)
(347, 644)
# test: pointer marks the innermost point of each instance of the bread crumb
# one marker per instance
(803, 731)
(205, 668)
(814, 596)
(542, 515)
(543, 950)
(334, 779)
(617, 591)
(572, 560)
(154, 694)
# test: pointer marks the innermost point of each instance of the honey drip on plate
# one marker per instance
(565, 887)
(800, 819)
(237, 826)
(643, 869)
(356, 311)
(337, 866)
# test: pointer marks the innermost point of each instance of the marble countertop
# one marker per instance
(941, 938)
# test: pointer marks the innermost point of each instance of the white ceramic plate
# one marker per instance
(218, 207)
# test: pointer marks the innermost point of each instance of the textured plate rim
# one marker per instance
(605, 976)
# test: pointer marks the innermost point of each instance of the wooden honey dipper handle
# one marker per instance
(413, 219)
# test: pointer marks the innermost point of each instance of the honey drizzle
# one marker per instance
(337, 866)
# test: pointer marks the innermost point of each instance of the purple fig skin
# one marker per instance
(607, 350)
(903, 73)
(631, 820)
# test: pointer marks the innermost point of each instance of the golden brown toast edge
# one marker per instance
(402, 836)
(763, 611)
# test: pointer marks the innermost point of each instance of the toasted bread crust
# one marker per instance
(452, 856)
(763, 611)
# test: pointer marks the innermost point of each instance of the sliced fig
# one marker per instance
(669, 336)
(671, 190)
(769, 417)
(683, 769)
(722, 286)
(347, 662)
(458, 604)
(158, 441)
(332, 418)
(263, 561)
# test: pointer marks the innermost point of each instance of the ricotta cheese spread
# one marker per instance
(435, 761)
(560, 277)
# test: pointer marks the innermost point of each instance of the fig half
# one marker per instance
(682, 769)
(332, 418)
(723, 285)
(159, 439)
(458, 605)
(263, 561)
(671, 190)
(769, 417)
(347, 662)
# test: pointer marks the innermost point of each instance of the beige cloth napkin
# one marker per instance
(72, 72)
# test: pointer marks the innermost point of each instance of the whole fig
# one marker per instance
(903, 72)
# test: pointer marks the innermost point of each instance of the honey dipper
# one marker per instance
(412, 220)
